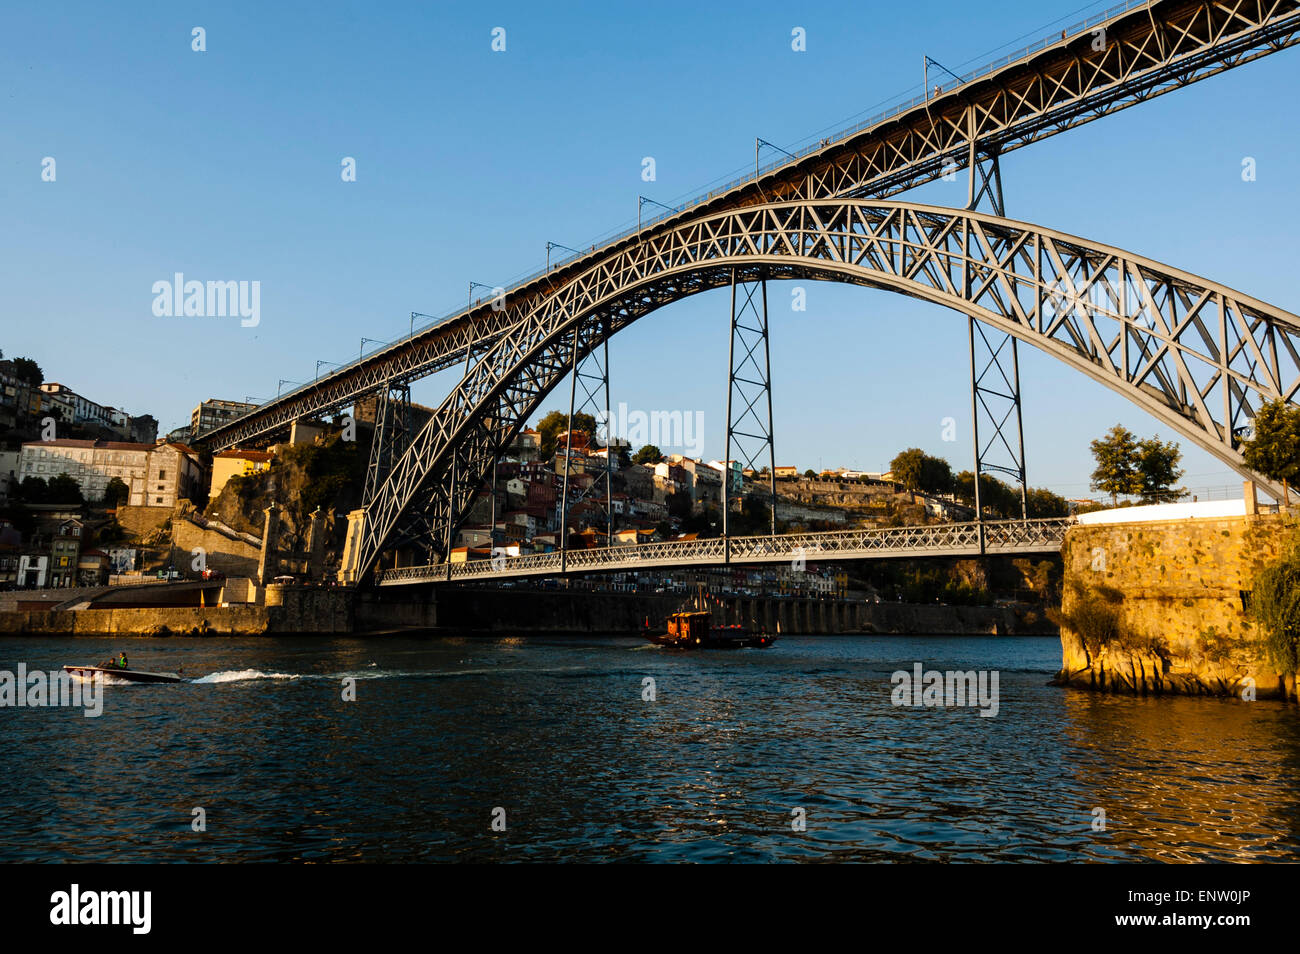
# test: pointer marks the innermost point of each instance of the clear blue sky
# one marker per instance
(225, 165)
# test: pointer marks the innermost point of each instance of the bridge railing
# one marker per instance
(956, 538)
(799, 151)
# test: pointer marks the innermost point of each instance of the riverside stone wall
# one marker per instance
(1176, 592)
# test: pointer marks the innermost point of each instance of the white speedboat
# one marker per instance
(128, 675)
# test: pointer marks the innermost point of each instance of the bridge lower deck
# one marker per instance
(1006, 537)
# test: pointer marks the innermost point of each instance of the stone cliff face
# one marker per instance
(1160, 607)
(329, 475)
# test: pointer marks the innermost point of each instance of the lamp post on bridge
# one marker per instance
(283, 382)
(771, 145)
(472, 286)
(551, 245)
(414, 315)
(926, 63)
(641, 201)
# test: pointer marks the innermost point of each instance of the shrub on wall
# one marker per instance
(1094, 617)
(1275, 607)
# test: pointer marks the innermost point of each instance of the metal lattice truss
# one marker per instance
(1147, 51)
(995, 396)
(937, 540)
(1195, 354)
(1143, 53)
(996, 424)
(391, 437)
(749, 392)
(592, 378)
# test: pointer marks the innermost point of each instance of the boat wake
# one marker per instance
(242, 675)
(252, 675)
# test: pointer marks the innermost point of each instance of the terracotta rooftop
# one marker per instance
(257, 456)
(101, 445)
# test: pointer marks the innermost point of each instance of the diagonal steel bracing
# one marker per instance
(997, 428)
(1195, 354)
(749, 394)
(591, 376)
(391, 436)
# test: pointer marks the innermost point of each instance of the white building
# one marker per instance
(157, 475)
(76, 409)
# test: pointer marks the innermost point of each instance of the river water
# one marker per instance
(554, 739)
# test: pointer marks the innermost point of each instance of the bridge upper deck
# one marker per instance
(1146, 49)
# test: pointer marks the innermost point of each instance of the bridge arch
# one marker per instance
(1195, 354)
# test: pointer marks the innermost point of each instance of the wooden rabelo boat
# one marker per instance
(695, 630)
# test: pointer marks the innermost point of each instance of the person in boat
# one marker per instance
(121, 663)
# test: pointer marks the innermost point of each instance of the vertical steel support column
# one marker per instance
(1008, 456)
(751, 382)
(448, 539)
(492, 527)
(391, 436)
(451, 516)
(975, 435)
(609, 450)
(568, 461)
(726, 456)
(1020, 430)
(771, 436)
(598, 405)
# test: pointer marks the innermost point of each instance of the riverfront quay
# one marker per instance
(330, 610)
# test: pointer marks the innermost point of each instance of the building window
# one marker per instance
(162, 475)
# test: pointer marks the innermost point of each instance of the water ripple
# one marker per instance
(734, 751)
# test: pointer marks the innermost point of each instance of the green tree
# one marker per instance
(918, 471)
(116, 493)
(1274, 451)
(996, 498)
(64, 489)
(34, 490)
(1116, 455)
(556, 423)
(649, 454)
(1044, 503)
(29, 372)
(1147, 469)
(1275, 606)
(810, 473)
(1158, 471)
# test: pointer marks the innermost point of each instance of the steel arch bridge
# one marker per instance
(1195, 354)
(1150, 49)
